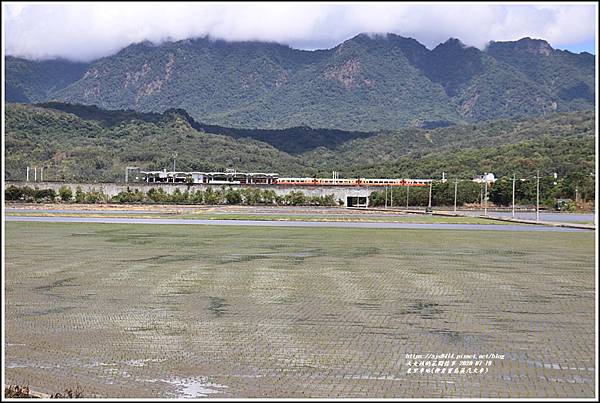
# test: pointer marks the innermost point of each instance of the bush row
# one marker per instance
(247, 196)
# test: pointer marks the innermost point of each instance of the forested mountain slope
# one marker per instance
(366, 83)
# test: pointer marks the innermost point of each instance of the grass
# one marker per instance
(156, 310)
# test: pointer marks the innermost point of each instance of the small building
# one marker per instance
(487, 177)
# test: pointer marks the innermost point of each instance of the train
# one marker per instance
(351, 182)
(257, 178)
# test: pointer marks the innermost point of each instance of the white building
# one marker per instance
(487, 177)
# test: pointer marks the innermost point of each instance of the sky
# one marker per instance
(87, 31)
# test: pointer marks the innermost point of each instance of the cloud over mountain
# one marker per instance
(84, 32)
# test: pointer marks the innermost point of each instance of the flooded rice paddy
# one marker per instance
(186, 311)
(283, 223)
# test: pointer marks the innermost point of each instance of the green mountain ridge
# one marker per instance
(77, 142)
(74, 148)
(293, 140)
(366, 83)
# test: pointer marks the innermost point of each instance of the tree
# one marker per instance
(45, 195)
(233, 196)
(295, 198)
(65, 193)
(212, 197)
(269, 196)
(13, 193)
(252, 196)
(179, 198)
(468, 192)
(501, 192)
(95, 196)
(130, 196)
(196, 197)
(79, 195)
(158, 195)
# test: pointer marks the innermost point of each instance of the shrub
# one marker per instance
(79, 195)
(178, 197)
(129, 196)
(295, 198)
(95, 196)
(44, 195)
(13, 193)
(196, 197)
(65, 193)
(252, 196)
(212, 197)
(269, 196)
(233, 196)
(158, 195)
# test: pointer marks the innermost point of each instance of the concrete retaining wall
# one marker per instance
(112, 189)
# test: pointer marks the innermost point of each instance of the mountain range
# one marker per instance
(367, 83)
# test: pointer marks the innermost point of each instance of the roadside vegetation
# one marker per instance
(23, 392)
(554, 193)
(210, 196)
(552, 196)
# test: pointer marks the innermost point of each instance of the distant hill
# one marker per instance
(562, 143)
(292, 140)
(365, 84)
(77, 142)
(98, 148)
(38, 81)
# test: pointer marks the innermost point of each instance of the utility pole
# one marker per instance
(430, 189)
(513, 197)
(392, 197)
(127, 169)
(386, 197)
(35, 174)
(485, 200)
(174, 158)
(455, 194)
(41, 174)
(537, 203)
(480, 197)
(28, 175)
(407, 189)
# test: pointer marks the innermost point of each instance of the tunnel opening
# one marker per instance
(357, 201)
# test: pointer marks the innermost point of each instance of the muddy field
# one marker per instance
(192, 311)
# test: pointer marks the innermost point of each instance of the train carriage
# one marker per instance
(240, 178)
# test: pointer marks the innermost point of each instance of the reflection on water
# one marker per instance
(553, 217)
(194, 387)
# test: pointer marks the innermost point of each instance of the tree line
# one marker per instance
(210, 196)
(568, 189)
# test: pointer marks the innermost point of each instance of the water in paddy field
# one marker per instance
(245, 311)
(114, 220)
(73, 211)
(544, 216)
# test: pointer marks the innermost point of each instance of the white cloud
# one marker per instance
(88, 31)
